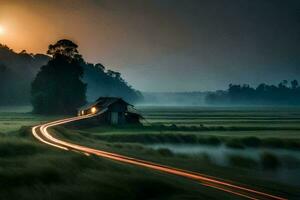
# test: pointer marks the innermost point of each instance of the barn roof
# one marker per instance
(104, 102)
(86, 106)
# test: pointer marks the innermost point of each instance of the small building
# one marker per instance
(113, 110)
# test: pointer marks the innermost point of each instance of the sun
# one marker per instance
(2, 30)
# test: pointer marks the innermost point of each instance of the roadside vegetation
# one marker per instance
(241, 169)
(13, 121)
(185, 138)
(30, 170)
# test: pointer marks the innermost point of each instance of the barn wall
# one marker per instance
(118, 107)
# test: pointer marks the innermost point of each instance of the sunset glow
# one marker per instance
(2, 30)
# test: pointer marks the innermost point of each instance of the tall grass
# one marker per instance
(243, 162)
(29, 170)
(269, 161)
(160, 138)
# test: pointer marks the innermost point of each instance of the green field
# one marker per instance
(13, 118)
(229, 116)
(268, 127)
(29, 170)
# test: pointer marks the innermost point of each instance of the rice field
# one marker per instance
(256, 145)
(13, 118)
(275, 121)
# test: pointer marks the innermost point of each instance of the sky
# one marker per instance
(166, 45)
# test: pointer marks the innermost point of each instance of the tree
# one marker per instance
(263, 94)
(283, 84)
(294, 84)
(65, 48)
(103, 82)
(100, 66)
(58, 88)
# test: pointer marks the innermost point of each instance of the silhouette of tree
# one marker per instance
(17, 71)
(100, 66)
(110, 83)
(262, 94)
(294, 84)
(64, 48)
(283, 84)
(58, 88)
(3, 68)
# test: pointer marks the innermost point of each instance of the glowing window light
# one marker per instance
(82, 112)
(94, 110)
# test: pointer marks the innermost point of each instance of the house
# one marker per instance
(115, 110)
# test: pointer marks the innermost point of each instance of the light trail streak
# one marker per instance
(44, 141)
(41, 133)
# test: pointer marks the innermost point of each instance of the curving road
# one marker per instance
(42, 134)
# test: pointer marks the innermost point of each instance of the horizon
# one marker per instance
(170, 91)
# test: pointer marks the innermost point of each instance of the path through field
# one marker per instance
(42, 134)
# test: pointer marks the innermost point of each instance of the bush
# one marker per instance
(173, 127)
(234, 143)
(205, 157)
(212, 140)
(241, 161)
(165, 152)
(11, 147)
(274, 142)
(269, 161)
(119, 146)
(24, 131)
(189, 138)
(251, 141)
(293, 144)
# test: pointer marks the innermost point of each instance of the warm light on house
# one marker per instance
(93, 110)
(111, 110)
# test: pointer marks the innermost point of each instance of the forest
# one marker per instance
(18, 70)
(285, 93)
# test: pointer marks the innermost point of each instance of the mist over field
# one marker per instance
(173, 99)
(19, 69)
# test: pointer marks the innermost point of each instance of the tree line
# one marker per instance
(17, 70)
(107, 83)
(285, 93)
(59, 82)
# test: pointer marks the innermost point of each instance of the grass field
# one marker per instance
(13, 118)
(29, 170)
(229, 116)
(33, 171)
(272, 134)
(252, 127)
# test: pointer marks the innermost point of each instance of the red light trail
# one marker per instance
(41, 133)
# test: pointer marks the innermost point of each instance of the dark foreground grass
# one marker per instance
(241, 170)
(29, 170)
(280, 143)
(243, 162)
(267, 161)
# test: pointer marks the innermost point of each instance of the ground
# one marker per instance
(31, 170)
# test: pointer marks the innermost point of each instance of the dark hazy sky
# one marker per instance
(167, 45)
